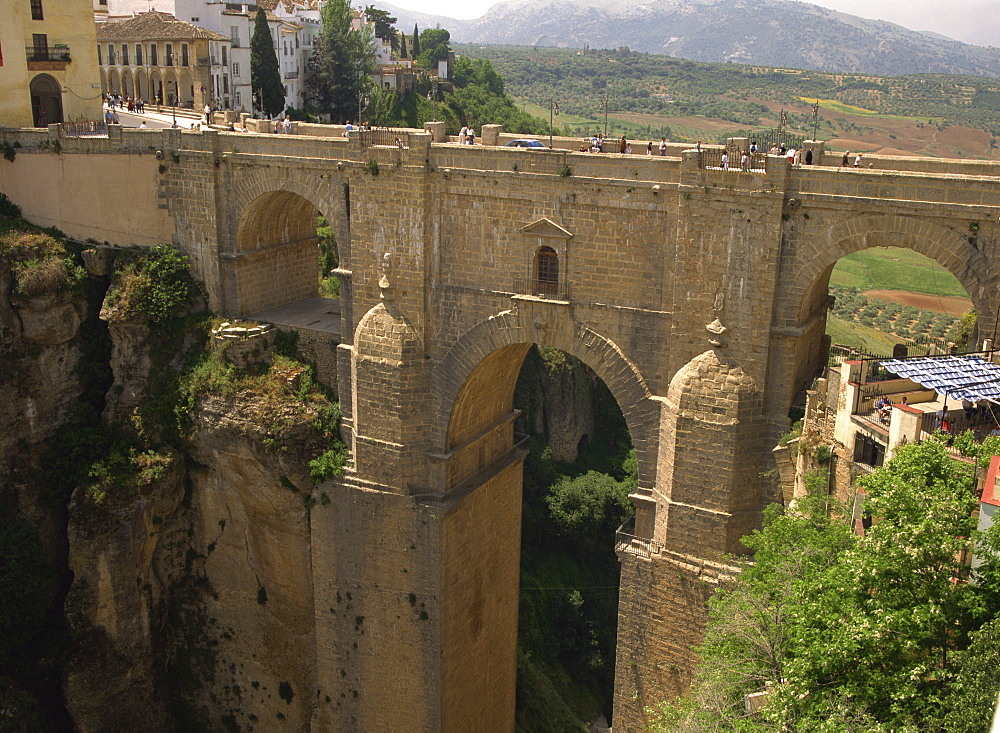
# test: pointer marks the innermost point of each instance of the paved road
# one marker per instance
(130, 120)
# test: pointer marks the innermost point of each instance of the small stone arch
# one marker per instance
(474, 383)
(46, 100)
(802, 289)
(325, 194)
(186, 89)
(951, 249)
(272, 238)
(171, 91)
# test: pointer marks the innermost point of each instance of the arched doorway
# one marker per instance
(141, 85)
(127, 89)
(156, 92)
(171, 90)
(114, 85)
(186, 90)
(46, 101)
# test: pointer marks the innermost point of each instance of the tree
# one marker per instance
(434, 46)
(341, 65)
(873, 633)
(265, 78)
(402, 46)
(416, 41)
(384, 25)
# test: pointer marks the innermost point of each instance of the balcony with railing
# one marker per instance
(48, 58)
(291, 75)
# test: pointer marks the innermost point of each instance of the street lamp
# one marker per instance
(603, 105)
(173, 105)
(553, 112)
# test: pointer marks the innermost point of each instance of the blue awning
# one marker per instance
(962, 377)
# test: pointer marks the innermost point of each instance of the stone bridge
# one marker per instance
(698, 296)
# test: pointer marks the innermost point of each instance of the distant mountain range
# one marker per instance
(780, 33)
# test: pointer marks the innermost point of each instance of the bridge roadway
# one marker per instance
(698, 296)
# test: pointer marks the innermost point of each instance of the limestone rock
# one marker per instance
(117, 606)
(48, 320)
(98, 260)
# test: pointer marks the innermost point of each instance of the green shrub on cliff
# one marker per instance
(152, 283)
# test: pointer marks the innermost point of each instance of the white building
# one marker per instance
(294, 26)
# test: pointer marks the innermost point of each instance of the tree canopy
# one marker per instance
(341, 65)
(885, 632)
(265, 77)
(384, 25)
(434, 46)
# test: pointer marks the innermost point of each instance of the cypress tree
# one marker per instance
(416, 41)
(402, 45)
(265, 78)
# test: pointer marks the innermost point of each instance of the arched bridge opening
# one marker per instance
(807, 298)
(482, 544)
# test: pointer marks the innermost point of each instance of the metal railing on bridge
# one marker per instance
(627, 542)
(713, 159)
(85, 128)
(774, 138)
(383, 136)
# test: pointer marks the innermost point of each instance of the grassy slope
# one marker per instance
(895, 268)
(859, 336)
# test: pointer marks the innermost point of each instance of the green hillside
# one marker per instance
(906, 112)
(895, 268)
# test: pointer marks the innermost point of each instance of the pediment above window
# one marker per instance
(546, 228)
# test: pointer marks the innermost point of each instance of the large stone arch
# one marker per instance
(271, 235)
(474, 383)
(141, 86)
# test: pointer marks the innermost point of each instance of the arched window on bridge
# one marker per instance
(546, 271)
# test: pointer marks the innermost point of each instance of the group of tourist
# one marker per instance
(858, 162)
(467, 136)
(595, 144)
(114, 100)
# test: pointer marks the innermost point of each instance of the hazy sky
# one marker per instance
(971, 21)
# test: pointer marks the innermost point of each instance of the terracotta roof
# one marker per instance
(154, 26)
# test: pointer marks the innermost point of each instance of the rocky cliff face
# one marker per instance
(556, 392)
(191, 604)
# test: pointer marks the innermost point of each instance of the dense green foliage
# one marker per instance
(27, 591)
(478, 99)
(329, 285)
(150, 283)
(882, 632)
(434, 46)
(569, 572)
(340, 66)
(265, 76)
